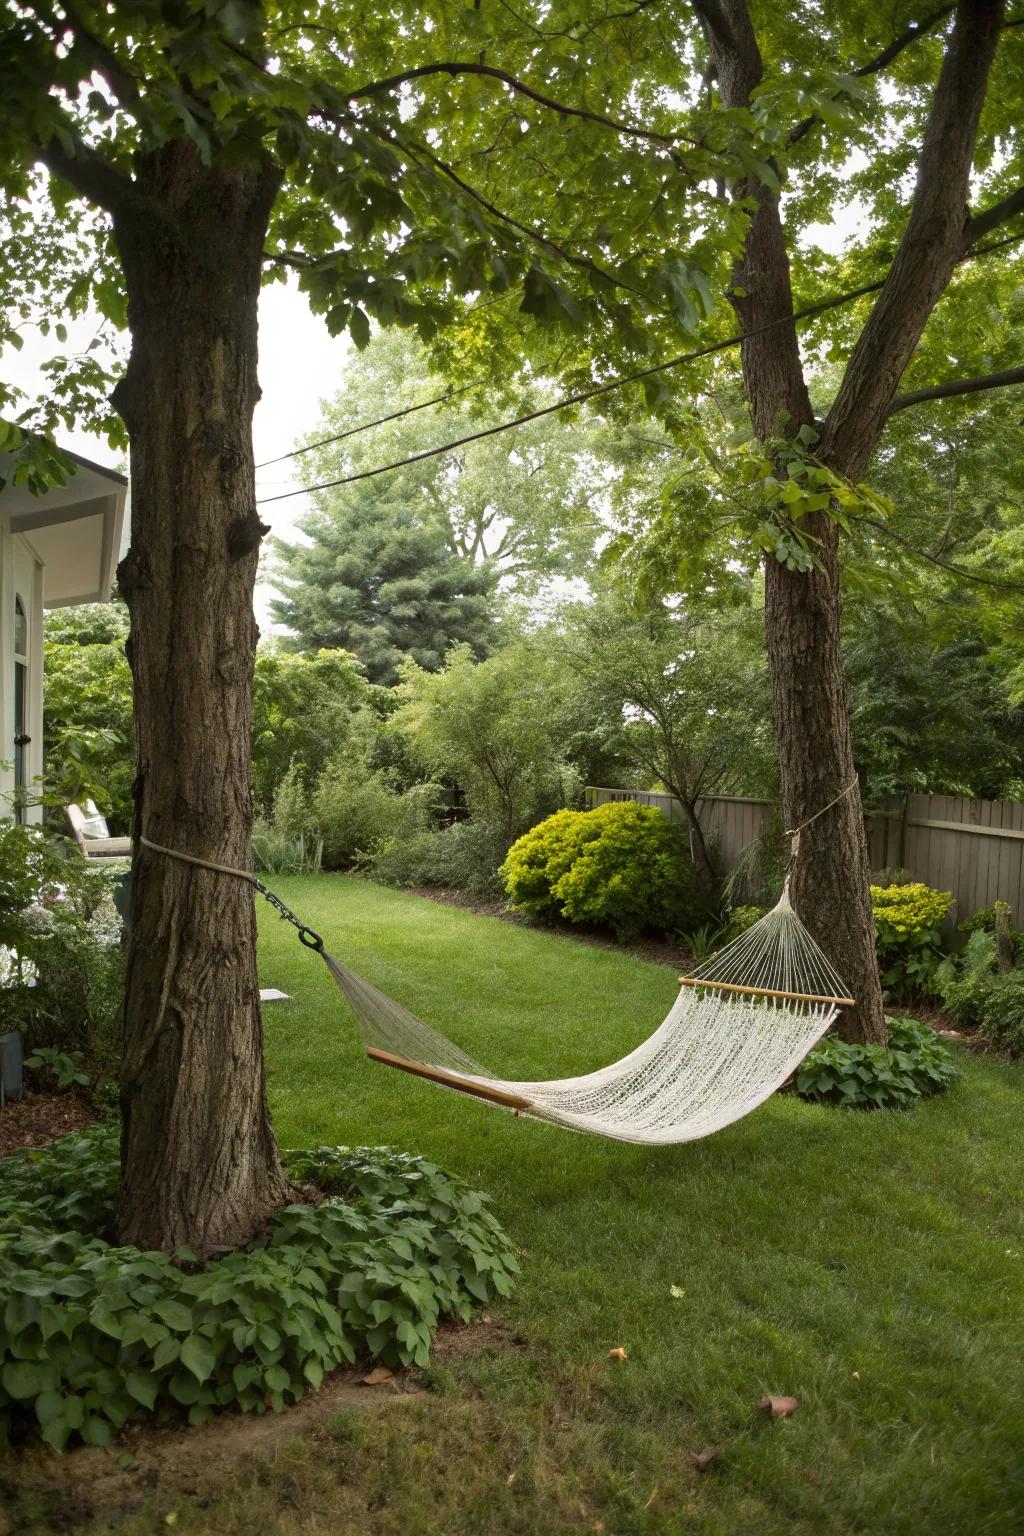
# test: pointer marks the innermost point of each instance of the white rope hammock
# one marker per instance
(741, 1024)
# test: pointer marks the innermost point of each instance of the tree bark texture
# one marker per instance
(199, 1160)
(830, 884)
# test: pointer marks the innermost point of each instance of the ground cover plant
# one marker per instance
(914, 1065)
(95, 1336)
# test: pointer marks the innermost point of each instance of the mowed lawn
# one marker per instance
(871, 1265)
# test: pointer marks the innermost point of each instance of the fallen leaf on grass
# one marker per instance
(779, 1407)
(650, 1501)
(377, 1376)
(703, 1459)
(617, 1354)
(511, 1478)
(856, 1375)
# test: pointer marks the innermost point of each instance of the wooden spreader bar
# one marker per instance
(795, 997)
(449, 1079)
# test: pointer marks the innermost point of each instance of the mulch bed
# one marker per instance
(40, 1118)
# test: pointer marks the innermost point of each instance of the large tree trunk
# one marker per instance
(802, 610)
(830, 881)
(199, 1161)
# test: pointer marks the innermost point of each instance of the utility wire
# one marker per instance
(821, 307)
(322, 442)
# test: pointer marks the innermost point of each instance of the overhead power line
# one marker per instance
(323, 442)
(836, 301)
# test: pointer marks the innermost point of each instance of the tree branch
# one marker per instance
(930, 249)
(489, 71)
(578, 37)
(88, 172)
(945, 565)
(989, 218)
(761, 290)
(954, 387)
(536, 235)
(881, 60)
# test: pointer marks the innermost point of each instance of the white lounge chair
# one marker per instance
(92, 835)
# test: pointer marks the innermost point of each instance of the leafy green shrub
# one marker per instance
(907, 920)
(914, 1065)
(87, 710)
(65, 1070)
(962, 981)
(737, 921)
(92, 1336)
(980, 995)
(465, 856)
(61, 959)
(1002, 1012)
(350, 811)
(621, 865)
(274, 852)
(984, 921)
(306, 711)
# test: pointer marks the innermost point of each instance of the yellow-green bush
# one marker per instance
(621, 865)
(907, 921)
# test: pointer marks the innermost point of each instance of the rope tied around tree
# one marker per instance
(307, 935)
(793, 833)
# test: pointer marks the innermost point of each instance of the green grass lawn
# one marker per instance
(871, 1265)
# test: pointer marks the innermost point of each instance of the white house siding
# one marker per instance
(21, 576)
(56, 549)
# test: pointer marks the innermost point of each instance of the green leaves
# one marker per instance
(173, 1314)
(907, 920)
(914, 1065)
(547, 299)
(84, 1340)
(28, 1378)
(621, 865)
(199, 1356)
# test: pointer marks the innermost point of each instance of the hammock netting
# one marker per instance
(741, 1024)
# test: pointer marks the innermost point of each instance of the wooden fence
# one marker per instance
(974, 848)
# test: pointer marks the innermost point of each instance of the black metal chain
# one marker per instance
(307, 936)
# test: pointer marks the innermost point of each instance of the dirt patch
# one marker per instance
(166, 1462)
(657, 951)
(40, 1118)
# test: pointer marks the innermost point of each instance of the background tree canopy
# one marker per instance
(382, 582)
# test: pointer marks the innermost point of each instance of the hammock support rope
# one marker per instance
(739, 1027)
